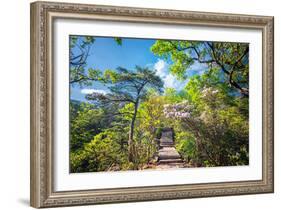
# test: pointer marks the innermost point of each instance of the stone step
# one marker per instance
(166, 142)
(166, 145)
(166, 161)
(169, 156)
(168, 153)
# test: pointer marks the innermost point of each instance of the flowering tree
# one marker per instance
(220, 131)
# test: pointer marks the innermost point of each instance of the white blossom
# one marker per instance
(209, 93)
(178, 111)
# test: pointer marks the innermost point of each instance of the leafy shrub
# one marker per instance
(186, 146)
(100, 154)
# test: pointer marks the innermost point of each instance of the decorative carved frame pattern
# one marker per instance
(42, 16)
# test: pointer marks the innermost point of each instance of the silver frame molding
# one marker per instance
(42, 17)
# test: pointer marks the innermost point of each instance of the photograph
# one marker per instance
(134, 104)
(157, 104)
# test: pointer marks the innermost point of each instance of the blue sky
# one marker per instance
(105, 54)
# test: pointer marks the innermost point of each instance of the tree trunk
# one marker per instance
(131, 134)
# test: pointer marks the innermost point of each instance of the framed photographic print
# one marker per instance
(136, 104)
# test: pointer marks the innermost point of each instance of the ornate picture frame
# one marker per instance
(43, 15)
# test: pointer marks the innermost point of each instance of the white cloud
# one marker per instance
(89, 91)
(161, 68)
(170, 81)
(198, 66)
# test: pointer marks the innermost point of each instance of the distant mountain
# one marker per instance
(73, 101)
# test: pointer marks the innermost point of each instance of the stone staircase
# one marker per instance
(167, 153)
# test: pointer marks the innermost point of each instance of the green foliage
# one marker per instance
(150, 119)
(181, 60)
(85, 122)
(186, 145)
(230, 58)
(100, 154)
(173, 96)
(118, 40)
(158, 132)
